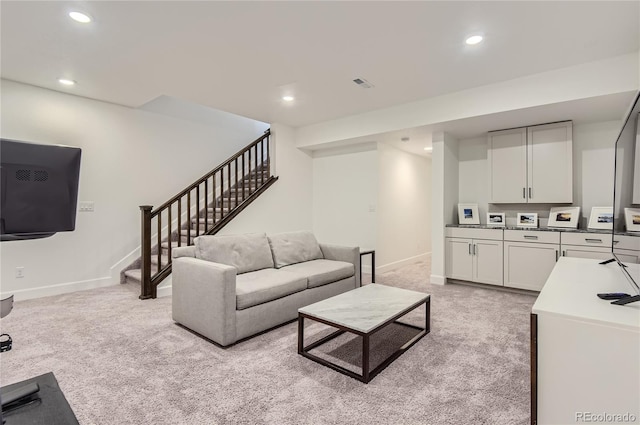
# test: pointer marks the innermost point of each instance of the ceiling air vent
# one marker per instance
(363, 83)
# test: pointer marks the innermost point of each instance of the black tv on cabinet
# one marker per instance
(626, 180)
(39, 189)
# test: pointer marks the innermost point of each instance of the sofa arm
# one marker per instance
(183, 251)
(204, 298)
(343, 253)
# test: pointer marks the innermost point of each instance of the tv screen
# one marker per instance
(626, 197)
(39, 189)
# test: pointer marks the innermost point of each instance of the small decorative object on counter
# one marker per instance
(496, 220)
(632, 219)
(601, 218)
(527, 220)
(468, 214)
(566, 217)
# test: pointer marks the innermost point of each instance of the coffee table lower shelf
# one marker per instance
(367, 375)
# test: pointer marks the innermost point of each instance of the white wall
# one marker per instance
(593, 157)
(404, 207)
(345, 198)
(445, 198)
(287, 204)
(129, 158)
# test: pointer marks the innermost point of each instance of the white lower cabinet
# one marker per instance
(472, 258)
(627, 248)
(529, 257)
(586, 245)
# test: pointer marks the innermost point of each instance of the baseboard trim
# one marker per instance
(437, 280)
(61, 288)
(401, 263)
(164, 289)
(115, 270)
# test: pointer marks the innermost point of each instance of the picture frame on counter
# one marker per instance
(565, 217)
(527, 220)
(632, 219)
(601, 218)
(468, 214)
(496, 219)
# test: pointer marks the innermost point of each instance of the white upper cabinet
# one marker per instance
(531, 164)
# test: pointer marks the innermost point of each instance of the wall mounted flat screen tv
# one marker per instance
(39, 189)
(626, 195)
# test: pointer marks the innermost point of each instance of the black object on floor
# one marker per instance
(46, 407)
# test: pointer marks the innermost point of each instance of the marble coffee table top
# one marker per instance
(363, 309)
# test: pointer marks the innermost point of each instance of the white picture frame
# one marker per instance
(601, 218)
(527, 220)
(564, 217)
(468, 214)
(496, 219)
(632, 219)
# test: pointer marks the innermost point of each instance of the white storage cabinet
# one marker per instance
(586, 245)
(627, 248)
(474, 255)
(531, 164)
(529, 257)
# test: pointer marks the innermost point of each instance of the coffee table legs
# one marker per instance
(367, 375)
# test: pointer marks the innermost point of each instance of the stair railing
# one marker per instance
(203, 208)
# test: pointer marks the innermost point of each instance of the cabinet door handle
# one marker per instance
(615, 242)
(530, 237)
(557, 255)
(530, 193)
(564, 253)
(475, 247)
(524, 193)
(593, 240)
(470, 249)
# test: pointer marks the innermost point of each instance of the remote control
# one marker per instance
(613, 295)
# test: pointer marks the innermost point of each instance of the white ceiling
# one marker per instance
(241, 57)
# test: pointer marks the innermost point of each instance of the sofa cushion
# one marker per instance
(266, 285)
(322, 272)
(294, 247)
(246, 253)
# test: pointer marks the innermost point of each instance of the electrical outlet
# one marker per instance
(19, 272)
(86, 206)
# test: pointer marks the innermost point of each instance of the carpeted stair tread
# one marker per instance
(218, 208)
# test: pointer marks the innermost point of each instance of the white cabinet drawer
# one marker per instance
(586, 239)
(474, 233)
(627, 242)
(532, 236)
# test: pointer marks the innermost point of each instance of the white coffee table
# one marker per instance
(363, 311)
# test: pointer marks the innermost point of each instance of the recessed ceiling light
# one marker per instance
(66, 82)
(428, 149)
(80, 17)
(474, 39)
(405, 139)
(288, 98)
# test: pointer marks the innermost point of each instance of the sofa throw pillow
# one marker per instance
(246, 253)
(294, 247)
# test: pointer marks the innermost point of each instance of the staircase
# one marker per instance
(203, 208)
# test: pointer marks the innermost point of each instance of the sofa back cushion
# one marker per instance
(294, 247)
(246, 253)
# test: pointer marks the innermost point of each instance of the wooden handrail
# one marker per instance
(224, 206)
(210, 173)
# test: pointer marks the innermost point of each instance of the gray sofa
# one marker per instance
(227, 288)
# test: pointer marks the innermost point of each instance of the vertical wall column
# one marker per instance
(444, 199)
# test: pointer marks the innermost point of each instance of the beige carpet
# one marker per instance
(120, 360)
